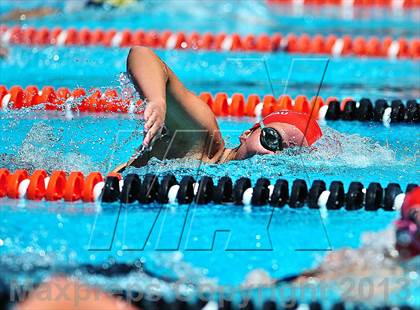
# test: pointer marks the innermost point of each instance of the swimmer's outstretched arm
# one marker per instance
(156, 81)
(150, 77)
(165, 93)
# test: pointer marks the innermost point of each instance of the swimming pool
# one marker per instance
(38, 238)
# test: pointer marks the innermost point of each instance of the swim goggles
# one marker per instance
(270, 138)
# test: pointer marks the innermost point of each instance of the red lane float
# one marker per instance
(268, 105)
(4, 176)
(90, 182)
(393, 4)
(291, 43)
(285, 103)
(74, 187)
(14, 181)
(36, 189)
(237, 106)
(253, 101)
(221, 105)
(56, 186)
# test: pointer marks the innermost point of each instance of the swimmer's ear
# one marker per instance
(244, 136)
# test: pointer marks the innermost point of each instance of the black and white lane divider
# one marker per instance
(151, 189)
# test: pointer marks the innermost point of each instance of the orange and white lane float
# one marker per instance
(237, 105)
(79, 99)
(346, 45)
(148, 189)
(57, 186)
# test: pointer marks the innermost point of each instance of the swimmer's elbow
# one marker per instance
(137, 53)
(144, 55)
(139, 49)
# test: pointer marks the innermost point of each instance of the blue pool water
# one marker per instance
(178, 240)
(217, 16)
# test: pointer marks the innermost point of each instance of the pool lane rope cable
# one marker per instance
(168, 190)
(110, 101)
(388, 47)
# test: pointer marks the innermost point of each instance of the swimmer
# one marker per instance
(375, 261)
(179, 124)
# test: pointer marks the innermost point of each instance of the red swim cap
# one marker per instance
(411, 201)
(302, 121)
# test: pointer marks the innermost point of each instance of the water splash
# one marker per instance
(42, 149)
(333, 154)
(63, 139)
(351, 150)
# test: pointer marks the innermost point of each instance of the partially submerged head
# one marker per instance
(408, 226)
(278, 131)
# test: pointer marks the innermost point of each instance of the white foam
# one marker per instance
(336, 149)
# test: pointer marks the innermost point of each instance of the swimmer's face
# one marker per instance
(251, 145)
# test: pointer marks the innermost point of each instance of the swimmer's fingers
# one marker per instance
(151, 134)
(148, 112)
(154, 116)
(153, 130)
(150, 120)
(147, 138)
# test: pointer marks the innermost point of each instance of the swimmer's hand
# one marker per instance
(154, 116)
